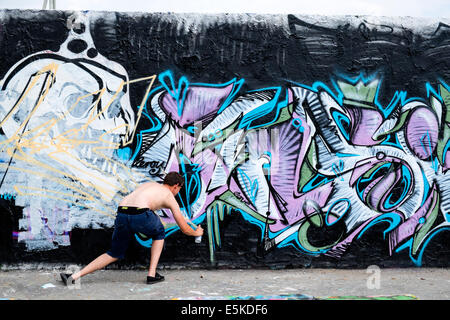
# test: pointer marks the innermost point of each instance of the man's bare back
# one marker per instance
(150, 195)
(156, 196)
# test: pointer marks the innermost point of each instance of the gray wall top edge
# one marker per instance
(197, 21)
(248, 15)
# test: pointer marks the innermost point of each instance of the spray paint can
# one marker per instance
(198, 239)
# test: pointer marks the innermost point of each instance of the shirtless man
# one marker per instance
(136, 214)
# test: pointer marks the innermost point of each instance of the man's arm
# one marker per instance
(179, 218)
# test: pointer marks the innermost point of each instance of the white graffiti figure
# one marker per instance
(63, 116)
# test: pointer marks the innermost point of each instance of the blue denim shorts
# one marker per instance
(131, 220)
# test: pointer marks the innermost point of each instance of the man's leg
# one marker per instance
(157, 246)
(100, 262)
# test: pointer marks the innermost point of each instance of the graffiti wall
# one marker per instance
(303, 140)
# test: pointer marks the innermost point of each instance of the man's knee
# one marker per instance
(111, 258)
(158, 243)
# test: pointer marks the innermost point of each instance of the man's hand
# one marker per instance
(198, 232)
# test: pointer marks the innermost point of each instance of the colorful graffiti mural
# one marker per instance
(312, 165)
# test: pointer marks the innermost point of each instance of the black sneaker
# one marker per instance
(155, 279)
(67, 278)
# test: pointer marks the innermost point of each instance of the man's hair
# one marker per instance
(173, 178)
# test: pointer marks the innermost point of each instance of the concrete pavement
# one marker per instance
(45, 284)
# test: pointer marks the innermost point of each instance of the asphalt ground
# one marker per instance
(184, 290)
(45, 284)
